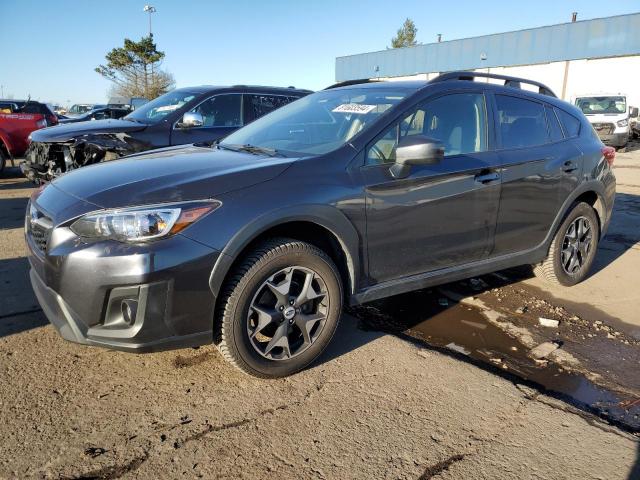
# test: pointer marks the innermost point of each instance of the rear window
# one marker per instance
(570, 124)
(261, 104)
(522, 122)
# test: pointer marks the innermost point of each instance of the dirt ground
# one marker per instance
(456, 382)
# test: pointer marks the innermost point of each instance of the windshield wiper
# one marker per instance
(253, 149)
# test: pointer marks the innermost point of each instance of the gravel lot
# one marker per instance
(388, 400)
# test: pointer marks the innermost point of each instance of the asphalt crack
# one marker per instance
(440, 467)
(117, 471)
(112, 472)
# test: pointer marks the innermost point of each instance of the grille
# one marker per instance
(38, 228)
(604, 128)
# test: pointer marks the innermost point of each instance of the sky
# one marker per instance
(49, 49)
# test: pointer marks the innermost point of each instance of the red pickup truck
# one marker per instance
(17, 120)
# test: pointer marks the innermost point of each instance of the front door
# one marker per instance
(439, 215)
(221, 114)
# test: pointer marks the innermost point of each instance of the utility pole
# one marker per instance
(149, 9)
(565, 78)
(1, 91)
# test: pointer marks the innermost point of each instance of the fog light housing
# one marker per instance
(129, 310)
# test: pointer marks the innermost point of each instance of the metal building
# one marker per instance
(589, 56)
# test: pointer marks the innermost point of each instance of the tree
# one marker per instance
(135, 70)
(406, 36)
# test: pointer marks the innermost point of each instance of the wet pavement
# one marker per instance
(496, 324)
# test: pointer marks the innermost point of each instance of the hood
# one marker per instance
(170, 175)
(67, 131)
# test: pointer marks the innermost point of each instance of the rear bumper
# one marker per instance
(121, 297)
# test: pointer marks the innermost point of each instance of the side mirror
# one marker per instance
(416, 150)
(633, 112)
(191, 120)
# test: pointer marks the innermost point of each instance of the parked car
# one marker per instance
(130, 103)
(18, 118)
(610, 116)
(186, 115)
(80, 109)
(348, 195)
(98, 114)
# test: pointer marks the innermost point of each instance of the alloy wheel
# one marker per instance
(287, 313)
(576, 245)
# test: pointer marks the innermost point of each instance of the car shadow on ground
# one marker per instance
(12, 212)
(635, 470)
(19, 309)
(632, 146)
(623, 232)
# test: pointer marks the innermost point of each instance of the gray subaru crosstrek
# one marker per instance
(363, 190)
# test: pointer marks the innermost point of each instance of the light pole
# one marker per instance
(149, 9)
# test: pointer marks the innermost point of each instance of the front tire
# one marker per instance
(573, 248)
(279, 308)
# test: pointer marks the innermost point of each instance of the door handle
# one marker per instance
(487, 177)
(569, 166)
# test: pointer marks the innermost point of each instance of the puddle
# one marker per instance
(438, 321)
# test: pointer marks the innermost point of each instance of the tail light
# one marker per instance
(609, 154)
(52, 120)
(41, 123)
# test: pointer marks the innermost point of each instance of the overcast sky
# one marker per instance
(49, 49)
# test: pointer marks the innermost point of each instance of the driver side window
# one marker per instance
(221, 111)
(458, 120)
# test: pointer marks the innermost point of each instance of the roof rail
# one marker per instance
(513, 82)
(346, 83)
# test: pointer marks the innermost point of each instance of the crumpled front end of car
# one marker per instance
(45, 161)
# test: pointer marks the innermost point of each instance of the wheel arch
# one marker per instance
(321, 225)
(592, 193)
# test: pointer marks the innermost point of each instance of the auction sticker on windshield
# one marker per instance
(354, 108)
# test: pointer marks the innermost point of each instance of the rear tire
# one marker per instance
(281, 288)
(573, 248)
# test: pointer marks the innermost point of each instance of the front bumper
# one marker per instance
(137, 298)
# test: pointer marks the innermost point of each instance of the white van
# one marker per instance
(610, 116)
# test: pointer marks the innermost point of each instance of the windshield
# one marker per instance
(156, 110)
(78, 108)
(595, 105)
(318, 123)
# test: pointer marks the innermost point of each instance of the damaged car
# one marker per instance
(183, 116)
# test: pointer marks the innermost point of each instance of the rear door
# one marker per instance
(440, 215)
(540, 168)
(222, 114)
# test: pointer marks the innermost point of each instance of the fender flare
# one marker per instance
(590, 186)
(325, 216)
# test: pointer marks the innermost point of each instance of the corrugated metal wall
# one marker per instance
(598, 38)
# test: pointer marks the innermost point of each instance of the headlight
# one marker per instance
(140, 224)
(623, 123)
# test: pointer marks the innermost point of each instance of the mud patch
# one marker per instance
(440, 318)
(184, 361)
(433, 470)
